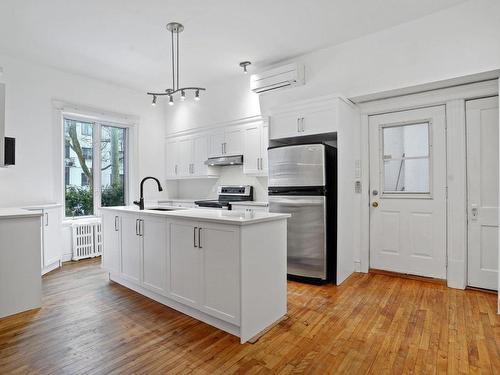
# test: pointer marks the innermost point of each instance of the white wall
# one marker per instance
(29, 117)
(456, 42)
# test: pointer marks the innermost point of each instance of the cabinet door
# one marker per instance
(111, 241)
(284, 126)
(51, 236)
(220, 284)
(200, 155)
(185, 157)
(251, 149)
(131, 248)
(319, 121)
(184, 262)
(264, 144)
(154, 248)
(171, 156)
(233, 141)
(216, 144)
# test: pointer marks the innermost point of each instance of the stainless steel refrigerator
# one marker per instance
(303, 183)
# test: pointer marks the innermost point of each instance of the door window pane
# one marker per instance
(113, 141)
(406, 158)
(78, 168)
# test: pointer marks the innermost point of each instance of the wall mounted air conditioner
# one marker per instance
(276, 78)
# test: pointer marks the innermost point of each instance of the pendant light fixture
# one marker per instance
(175, 29)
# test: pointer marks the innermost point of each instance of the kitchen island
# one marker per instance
(225, 268)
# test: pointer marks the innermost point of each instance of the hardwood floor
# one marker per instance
(373, 324)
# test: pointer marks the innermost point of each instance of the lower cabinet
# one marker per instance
(204, 267)
(195, 263)
(51, 234)
(135, 248)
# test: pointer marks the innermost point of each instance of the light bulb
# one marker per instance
(171, 100)
(153, 103)
(183, 95)
(197, 95)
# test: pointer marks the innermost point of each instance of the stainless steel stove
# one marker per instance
(228, 194)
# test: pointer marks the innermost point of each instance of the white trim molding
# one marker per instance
(454, 99)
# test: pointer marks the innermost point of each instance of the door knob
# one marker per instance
(375, 204)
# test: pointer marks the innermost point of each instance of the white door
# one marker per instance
(185, 157)
(264, 144)
(131, 248)
(154, 249)
(482, 176)
(112, 242)
(408, 192)
(184, 260)
(319, 121)
(51, 236)
(233, 141)
(251, 149)
(200, 155)
(171, 156)
(220, 270)
(217, 144)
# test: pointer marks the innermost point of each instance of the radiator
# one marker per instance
(87, 238)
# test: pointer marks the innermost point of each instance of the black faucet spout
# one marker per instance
(140, 202)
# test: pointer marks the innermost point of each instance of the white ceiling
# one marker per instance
(125, 41)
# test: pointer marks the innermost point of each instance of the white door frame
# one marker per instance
(454, 99)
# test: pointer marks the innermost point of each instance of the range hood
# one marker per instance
(225, 160)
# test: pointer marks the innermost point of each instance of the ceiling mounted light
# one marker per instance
(244, 65)
(176, 28)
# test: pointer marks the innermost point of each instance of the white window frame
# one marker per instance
(97, 118)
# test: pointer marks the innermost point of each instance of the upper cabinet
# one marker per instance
(186, 154)
(306, 118)
(255, 143)
(226, 142)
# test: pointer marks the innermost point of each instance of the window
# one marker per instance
(406, 158)
(94, 166)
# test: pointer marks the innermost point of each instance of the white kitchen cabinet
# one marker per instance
(204, 267)
(131, 247)
(220, 284)
(172, 158)
(153, 235)
(306, 118)
(51, 233)
(184, 261)
(255, 143)
(135, 247)
(186, 157)
(111, 226)
(226, 142)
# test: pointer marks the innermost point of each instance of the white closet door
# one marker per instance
(482, 177)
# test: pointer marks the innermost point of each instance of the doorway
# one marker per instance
(482, 192)
(408, 191)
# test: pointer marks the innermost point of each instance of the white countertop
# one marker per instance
(6, 213)
(181, 200)
(42, 206)
(218, 216)
(250, 203)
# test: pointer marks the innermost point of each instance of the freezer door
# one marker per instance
(300, 165)
(306, 233)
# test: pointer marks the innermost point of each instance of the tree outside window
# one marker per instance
(79, 138)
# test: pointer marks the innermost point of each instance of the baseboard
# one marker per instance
(66, 257)
(408, 276)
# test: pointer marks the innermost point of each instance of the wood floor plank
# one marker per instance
(372, 324)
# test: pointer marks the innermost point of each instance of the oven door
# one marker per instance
(306, 231)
